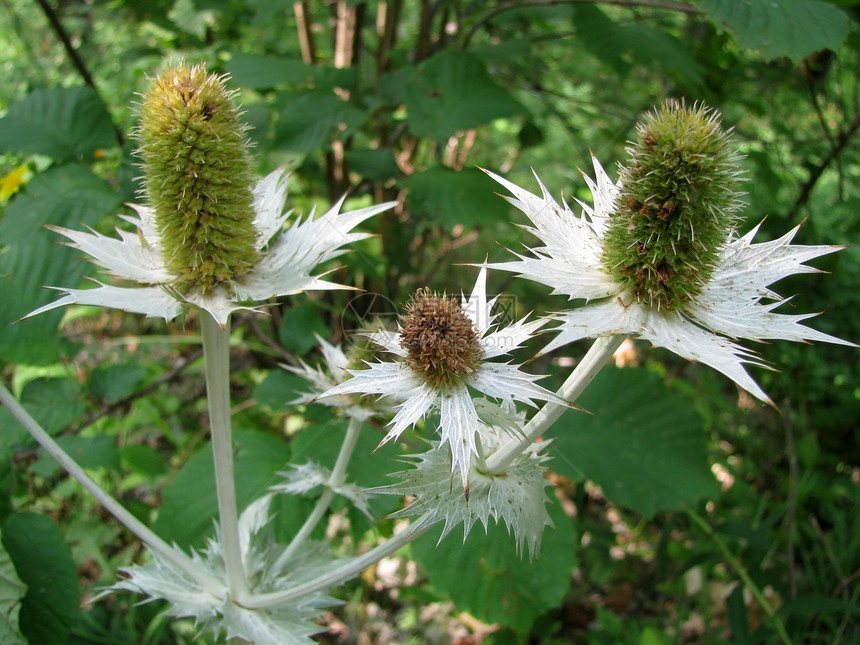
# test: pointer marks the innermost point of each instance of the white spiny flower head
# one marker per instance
(212, 609)
(336, 371)
(444, 348)
(208, 238)
(657, 255)
(515, 496)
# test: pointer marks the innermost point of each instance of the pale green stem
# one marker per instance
(739, 569)
(480, 455)
(216, 354)
(338, 475)
(590, 365)
(150, 539)
(341, 573)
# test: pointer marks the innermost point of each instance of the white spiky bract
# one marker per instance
(515, 496)
(335, 372)
(459, 421)
(305, 477)
(213, 610)
(287, 259)
(730, 306)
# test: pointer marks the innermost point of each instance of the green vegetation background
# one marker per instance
(406, 100)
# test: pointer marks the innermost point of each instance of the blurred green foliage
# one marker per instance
(402, 100)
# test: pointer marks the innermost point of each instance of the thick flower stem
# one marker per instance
(590, 365)
(152, 541)
(216, 354)
(338, 475)
(342, 573)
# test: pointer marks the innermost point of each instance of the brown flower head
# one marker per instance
(439, 339)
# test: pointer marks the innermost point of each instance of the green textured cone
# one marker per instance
(198, 177)
(678, 201)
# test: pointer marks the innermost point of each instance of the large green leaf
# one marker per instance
(451, 92)
(641, 443)
(189, 506)
(44, 563)
(265, 72)
(59, 122)
(55, 403)
(12, 591)
(70, 196)
(98, 451)
(793, 28)
(309, 120)
(279, 389)
(448, 198)
(486, 577)
(113, 383)
(625, 46)
(298, 326)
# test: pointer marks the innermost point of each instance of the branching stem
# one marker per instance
(590, 365)
(341, 573)
(338, 476)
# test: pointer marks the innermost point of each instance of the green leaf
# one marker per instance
(371, 465)
(736, 609)
(793, 28)
(12, 591)
(69, 196)
(298, 326)
(143, 460)
(310, 120)
(44, 563)
(623, 47)
(115, 382)
(449, 197)
(375, 165)
(264, 72)
(56, 403)
(453, 91)
(641, 443)
(187, 17)
(279, 389)
(59, 122)
(485, 576)
(189, 506)
(98, 451)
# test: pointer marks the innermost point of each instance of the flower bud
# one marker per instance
(198, 178)
(677, 202)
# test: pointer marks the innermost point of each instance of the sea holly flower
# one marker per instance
(303, 478)
(657, 255)
(214, 610)
(445, 348)
(515, 495)
(209, 237)
(335, 371)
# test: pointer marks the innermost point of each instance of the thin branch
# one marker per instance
(842, 140)
(519, 4)
(73, 55)
(139, 394)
